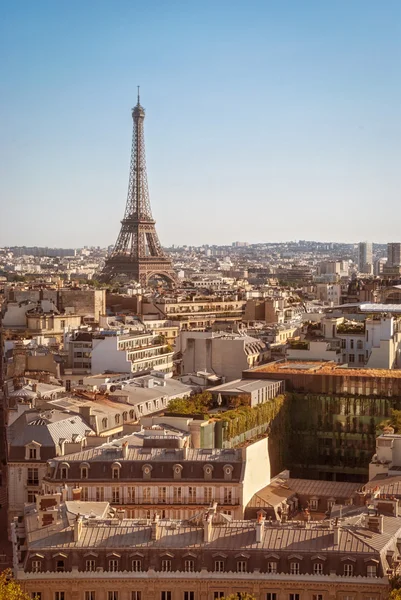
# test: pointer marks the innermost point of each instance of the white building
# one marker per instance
(130, 353)
(226, 355)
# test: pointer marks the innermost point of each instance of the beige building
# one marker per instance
(226, 355)
(87, 551)
(177, 482)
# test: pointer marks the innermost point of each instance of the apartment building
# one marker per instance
(177, 482)
(130, 353)
(95, 553)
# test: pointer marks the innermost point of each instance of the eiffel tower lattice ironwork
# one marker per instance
(138, 254)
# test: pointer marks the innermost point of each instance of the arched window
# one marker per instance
(117, 419)
(131, 415)
(84, 470)
(115, 470)
(125, 416)
(104, 423)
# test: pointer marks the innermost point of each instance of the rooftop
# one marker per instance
(323, 368)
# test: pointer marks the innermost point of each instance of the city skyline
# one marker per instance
(289, 114)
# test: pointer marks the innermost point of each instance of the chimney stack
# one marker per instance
(337, 535)
(77, 528)
(125, 450)
(76, 494)
(155, 527)
(260, 528)
(120, 514)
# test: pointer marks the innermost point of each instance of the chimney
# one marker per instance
(337, 535)
(208, 526)
(76, 494)
(124, 450)
(155, 527)
(185, 452)
(35, 387)
(120, 514)
(77, 528)
(260, 527)
(375, 523)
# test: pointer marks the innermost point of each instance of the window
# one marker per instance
(228, 496)
(162, 498)
(84, 472)
(90, 595)
(136, 595)
(189, 595)
(371, 571)
(117, 419)
(317, 596)
(218, 595)
(348, 597)
(271, 596)
(112, 596)
(343, 343)
(314, 503)
(64, 473)
(60, 566)
(146, 494)
(361, 358)
(113, 565)
(293, 597)
(359, 344)
(84, 494)
(177, 495)
(104, 425)
(294, 568)
(36, 595)
(99, 494)
(351, 358)
(189, 565)
(131, 494)
(165, 595)
(208, 494)
(33, 476)
(115, 494)
(137, 565)
(131, 415)
(116, 473)
(32, 453)
(31, 496)
(166, 564)
(348, 570)
(272, 567)
(192, 494)
(241, 566)
(318, 569)
(219, 566)
(59, 596)
(351, 344)
(90, 565)
(36, 566)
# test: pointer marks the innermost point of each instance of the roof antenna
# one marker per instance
(138, 94)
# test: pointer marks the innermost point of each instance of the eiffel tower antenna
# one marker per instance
(137, 254)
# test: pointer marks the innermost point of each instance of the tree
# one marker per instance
(11, 589)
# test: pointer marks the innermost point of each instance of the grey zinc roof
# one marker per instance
(243, 385)
(46, 428)
(110, 451)
(311, 487)
(229, 536)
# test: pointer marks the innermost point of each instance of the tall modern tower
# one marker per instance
(137, 254)
(365, 257)
(393, 254)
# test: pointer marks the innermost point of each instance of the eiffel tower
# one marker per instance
(137, 254)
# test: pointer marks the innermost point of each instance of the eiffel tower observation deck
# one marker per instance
(137, 254)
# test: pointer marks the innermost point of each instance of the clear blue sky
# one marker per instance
(266, 120)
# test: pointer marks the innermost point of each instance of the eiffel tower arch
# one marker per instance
(137, 254)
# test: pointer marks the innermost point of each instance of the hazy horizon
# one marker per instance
(264, 121)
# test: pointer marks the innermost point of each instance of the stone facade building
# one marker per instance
(177, 482)
(86, 551)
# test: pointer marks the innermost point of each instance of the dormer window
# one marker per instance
(371, 571)
(113, 565)
(36, 566)
(242, 566)
(125, 416)
(104, 423)
(60, 566)
(147, 471)
(115, 470)
(131, 415)
(117, 419)
(228, 471)
(348, 570)
(208, 471)
(64, 470)
(177, 469)
(32, 451)
(84, 471)
(294, 568)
